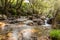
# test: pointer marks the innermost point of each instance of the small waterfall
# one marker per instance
(46, 24)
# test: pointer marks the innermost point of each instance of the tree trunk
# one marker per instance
(54, 22)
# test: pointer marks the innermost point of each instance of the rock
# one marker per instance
(43, 17)
(30, 24)
(28, 21)
(30, 17)
(3, 17)
(2, 25)
(43, 38)
(49, 21)
(38, 21)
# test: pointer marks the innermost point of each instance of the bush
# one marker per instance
(55, 34)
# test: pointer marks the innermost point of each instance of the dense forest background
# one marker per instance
(29, 7)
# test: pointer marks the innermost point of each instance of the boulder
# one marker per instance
(38, 21)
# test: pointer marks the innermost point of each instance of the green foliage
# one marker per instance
(55, 34)
(41, 6)
(14, 11)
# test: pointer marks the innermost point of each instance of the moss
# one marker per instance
(55, 34)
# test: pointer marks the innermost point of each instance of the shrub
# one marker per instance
(55, 34)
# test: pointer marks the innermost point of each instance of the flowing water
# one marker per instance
(23, 31)
(46, 24)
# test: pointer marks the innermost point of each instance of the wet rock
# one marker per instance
(10, 21)
(3, 17)
(38, 21)
(10, 18)
(49, 21)
(21, 19)
(28, 21)
(30, 24)
(33, 38)
(13, 22)
(43, 38)
(2, 25)
(11, 36)
(30, 17)
(43, 17)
